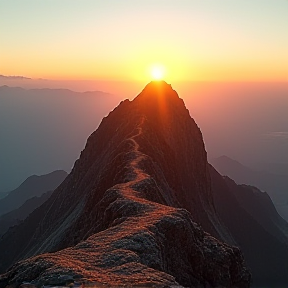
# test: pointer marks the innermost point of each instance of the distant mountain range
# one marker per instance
(32, 193)
(64, 120)
(276, 185)
(45, 129)
(260, 232)
(14, 77)
(16, 216)
(34, 186)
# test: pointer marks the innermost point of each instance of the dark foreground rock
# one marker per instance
(153, 244)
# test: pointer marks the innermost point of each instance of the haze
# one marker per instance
(44, 130)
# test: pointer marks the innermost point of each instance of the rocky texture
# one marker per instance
(16, 216)
(116, 218)
(144, 249)
(256, 226)
(33, 186)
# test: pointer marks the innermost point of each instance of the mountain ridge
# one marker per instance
(119, 208)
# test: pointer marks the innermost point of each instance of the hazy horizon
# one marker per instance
(245, 121)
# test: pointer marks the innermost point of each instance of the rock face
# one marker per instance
(118, 218)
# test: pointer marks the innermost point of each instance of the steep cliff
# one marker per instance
(118, 218)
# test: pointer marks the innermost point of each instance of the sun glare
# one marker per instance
(157, 72)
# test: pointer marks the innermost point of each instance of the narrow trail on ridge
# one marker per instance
(127, 189)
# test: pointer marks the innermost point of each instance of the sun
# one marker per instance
(157, 72)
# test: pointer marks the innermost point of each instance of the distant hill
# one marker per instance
(275, 184)
(14, 77)
(16, 216)
(34, 186)
(254, 223)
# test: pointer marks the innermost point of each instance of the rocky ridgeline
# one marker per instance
(118, 218)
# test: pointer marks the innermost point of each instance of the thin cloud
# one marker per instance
(278, 135)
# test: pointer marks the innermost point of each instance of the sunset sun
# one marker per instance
(157, 72)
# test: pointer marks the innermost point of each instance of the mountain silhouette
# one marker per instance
(128, 211)
(259, 231)
(14, 217)
(33, 186)
(275, 184)
(14, 77)
(45, 128)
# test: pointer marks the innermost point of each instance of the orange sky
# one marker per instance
(207, 40)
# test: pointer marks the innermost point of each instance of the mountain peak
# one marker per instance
(160, 102)
(158, 90)
(158, 83)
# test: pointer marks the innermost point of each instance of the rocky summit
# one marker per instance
(137, 209)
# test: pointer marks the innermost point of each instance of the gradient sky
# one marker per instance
(219, 40)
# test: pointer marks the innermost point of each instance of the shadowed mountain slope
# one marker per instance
(258, 229)
(116, 219)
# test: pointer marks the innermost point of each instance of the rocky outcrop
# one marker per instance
(119, 217)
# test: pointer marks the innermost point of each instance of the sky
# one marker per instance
(195, 40)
